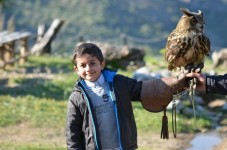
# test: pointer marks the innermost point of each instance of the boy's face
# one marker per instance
(88, 67)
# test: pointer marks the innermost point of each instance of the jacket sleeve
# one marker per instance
(74, 134)
(216, 84)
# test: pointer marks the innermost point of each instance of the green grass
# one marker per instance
(18, 146)
(57, 62)
(37, 112)
(51, 113)
(57, 88)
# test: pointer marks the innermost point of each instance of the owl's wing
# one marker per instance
(205, 44)
(176, 46)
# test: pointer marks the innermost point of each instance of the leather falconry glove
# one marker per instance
(157, 94)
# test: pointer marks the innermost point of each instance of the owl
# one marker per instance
(187, 44)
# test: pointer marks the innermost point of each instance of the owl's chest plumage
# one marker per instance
(183, 49)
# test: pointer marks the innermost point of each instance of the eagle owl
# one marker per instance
(187, 44)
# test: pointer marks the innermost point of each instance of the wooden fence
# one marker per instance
(9, 41)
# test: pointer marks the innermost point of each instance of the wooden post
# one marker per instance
(81, 38)
(40, 32)
(7, 48)
(23, 50)
(9, 54)
(44, 45)
(124, 39)
(1, 54)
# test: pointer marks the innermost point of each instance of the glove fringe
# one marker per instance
(164, 131)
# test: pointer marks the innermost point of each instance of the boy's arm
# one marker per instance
(74, 134)
(156, 94)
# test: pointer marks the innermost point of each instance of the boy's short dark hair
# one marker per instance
(87, 48)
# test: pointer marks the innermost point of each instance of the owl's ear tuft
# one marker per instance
(200, 12)
(186, 11)
(189, 13)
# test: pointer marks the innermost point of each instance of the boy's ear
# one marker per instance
(103, 64)
(75, 68)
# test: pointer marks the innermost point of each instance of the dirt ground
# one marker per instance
(223, 135)
(153, 142)
(23, 134)
(182, 142)
(146, 141)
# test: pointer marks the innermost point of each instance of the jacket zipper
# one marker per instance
(89, 108)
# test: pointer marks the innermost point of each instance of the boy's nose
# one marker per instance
(87, 68)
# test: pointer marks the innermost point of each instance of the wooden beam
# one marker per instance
(1, 54)
(10, 37)
(9, 53)
(44, 45)
(23, 50)
(13, 60)
(7, 45)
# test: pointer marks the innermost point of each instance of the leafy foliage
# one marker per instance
(145, 22)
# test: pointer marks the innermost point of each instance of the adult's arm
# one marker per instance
(216, 84)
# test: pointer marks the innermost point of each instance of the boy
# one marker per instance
(100, 115)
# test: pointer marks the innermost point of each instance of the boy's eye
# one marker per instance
(83, 65)
(92, 63)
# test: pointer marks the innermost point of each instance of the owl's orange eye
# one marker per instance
(194, 20)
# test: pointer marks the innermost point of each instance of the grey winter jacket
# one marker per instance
(81, 125)
(216, 84)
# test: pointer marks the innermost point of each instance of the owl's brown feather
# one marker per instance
(187, 44)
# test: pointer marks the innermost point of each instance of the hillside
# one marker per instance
(145, 22)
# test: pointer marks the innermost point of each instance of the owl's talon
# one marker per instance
(190, 68)
(198, 70)
(186, 71)
(199, 67)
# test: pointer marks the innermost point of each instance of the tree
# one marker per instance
(4, 3)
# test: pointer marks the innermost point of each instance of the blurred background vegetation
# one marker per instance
(144, 22)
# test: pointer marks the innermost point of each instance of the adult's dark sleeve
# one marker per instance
(216, 84)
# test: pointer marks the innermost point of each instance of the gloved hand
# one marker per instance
(177, 84)
(156, 94)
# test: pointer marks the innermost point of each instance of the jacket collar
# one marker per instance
(95, 83)
(107, 73)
